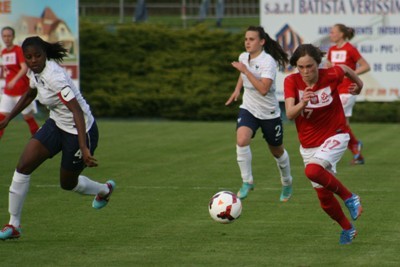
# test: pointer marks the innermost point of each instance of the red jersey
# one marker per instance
(347, 55)
(323, 116)
(12, 60)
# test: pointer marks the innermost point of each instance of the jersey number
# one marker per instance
(278, 130)
(331, 144)
(306, 113)
(78, 154)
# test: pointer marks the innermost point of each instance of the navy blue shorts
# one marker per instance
(56, 140)
(272, 129)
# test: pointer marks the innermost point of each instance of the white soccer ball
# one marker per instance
(225, 207)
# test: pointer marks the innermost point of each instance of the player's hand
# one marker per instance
(307, 95)
(239, 66)
(88, 159)
(233, 98)
(354, 89)
(11, 85)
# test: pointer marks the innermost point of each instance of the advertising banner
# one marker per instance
(377, 34)
(53, 21)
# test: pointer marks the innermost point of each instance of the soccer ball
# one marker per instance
(225, 207)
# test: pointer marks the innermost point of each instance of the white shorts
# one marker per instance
(348, 102)
(328, 154)
(7, 103)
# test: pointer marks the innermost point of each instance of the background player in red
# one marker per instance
(312, 100)
(345, 53)
(16, 81)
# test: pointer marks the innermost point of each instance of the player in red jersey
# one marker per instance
(345, 53)
(16, 81)
(312, 100)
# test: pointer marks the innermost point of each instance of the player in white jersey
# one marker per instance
(71, 129)
(260, 107)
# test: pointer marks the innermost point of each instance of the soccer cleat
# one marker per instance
(347, 236)
(354, 206)
(286, 193)
(244, 190)
(357, 160)
(10, 232)
(101, 201)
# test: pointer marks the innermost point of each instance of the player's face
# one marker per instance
(335, 35)
(253, 43)
(308, 69)
(8, 37)
(35, 58)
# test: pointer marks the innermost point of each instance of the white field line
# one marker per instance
(212, 188)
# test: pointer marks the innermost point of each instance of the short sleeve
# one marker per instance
(289, 87)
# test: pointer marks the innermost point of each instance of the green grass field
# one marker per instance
(166, 173)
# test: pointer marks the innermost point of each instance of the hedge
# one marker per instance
(151, 71)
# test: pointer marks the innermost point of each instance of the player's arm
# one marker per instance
(262, 85)
(293, 110)
(68, 98)
(363, 66)
(236, 93)
(354, 89)
(20, 74)
(23, 102)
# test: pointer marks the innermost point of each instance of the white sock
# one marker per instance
(284, 168)
(244, 158)
(18, 189)
(86, 186)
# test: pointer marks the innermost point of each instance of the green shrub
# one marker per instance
(151, 71)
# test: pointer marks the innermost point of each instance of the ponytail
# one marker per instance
(54, 51)
(271, 46)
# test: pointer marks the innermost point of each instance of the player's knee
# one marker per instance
(313, 171)
(24, 168)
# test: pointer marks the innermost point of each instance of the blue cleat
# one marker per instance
(244, 190)
(101, 201)
(286, 193)
(347, 236)
(10, 232)
(354, 206)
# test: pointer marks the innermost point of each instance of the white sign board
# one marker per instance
(377, 28)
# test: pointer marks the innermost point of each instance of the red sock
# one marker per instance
(33, 126)
(318, 174)
(2, 116)
(353, 143)
(331, 206)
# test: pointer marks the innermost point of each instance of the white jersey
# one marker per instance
(49, 84)
(262, 107)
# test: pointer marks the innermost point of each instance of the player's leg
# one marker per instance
(322, 166)
(332, 207)
(244, 159)
(354, 145)
(32, 157)
(72, 165)
(29, 118)
(273, 135)
(245, 130)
